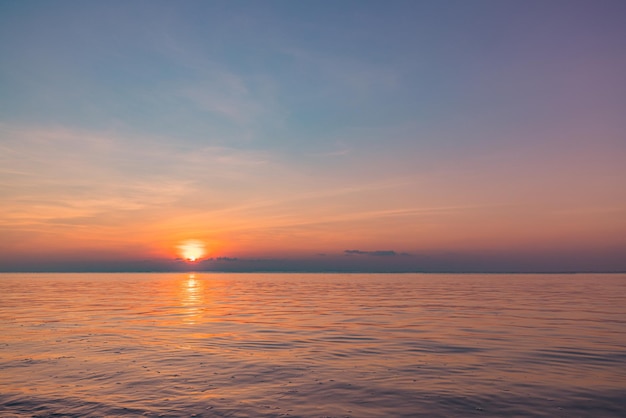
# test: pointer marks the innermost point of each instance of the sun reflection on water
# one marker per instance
(192, 298)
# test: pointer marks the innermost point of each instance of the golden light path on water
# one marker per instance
(192, 298)
(311, 345)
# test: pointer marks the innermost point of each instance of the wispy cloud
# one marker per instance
(226, 96)
(60, 175)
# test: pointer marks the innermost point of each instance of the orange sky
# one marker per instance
(449, 154)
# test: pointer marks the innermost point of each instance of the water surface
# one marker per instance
(312, 345)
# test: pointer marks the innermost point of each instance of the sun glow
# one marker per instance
(192, 250)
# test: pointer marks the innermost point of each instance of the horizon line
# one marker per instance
(313, 271)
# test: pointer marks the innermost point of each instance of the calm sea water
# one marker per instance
(312, 345)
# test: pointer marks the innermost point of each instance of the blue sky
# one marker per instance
(288, 129)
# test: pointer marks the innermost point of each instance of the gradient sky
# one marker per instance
(313, 135)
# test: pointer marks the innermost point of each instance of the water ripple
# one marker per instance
(264, 345)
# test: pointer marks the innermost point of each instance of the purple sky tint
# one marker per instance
(461, 136)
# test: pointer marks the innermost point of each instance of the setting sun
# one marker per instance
(192, 250)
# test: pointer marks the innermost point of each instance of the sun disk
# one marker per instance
(192, 250)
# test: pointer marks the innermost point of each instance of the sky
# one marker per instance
(436, 136)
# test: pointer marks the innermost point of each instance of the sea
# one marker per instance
(312, 345)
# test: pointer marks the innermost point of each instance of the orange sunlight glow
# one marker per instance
(192, 250)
